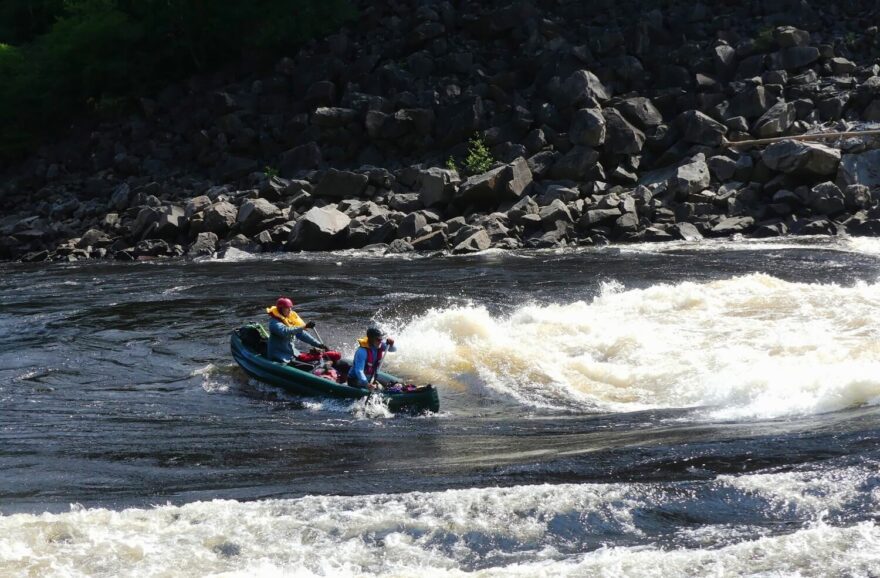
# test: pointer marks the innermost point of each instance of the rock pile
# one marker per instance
(608, 121)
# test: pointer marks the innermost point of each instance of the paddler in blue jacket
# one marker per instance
(368, 356)
(285, 326)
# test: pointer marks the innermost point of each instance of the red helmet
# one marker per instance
(284, 303)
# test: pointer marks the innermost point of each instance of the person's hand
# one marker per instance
(323, 347)
(390, 342)
(310, 325)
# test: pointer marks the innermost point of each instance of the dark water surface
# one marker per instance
(117, 390)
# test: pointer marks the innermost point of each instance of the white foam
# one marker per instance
(504, 531)
(751, 346)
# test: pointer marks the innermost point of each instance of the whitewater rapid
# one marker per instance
(542, 530)
(752, 346)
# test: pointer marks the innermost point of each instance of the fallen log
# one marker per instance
(800, 137)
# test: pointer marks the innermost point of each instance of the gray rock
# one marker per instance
(858, 197)
(722, 167)
(776, 121)
(438, 186)
(788, 36)
(587, 127)
(220, 217)
(685, 232)
(690, 177)
(145, 222)
(410, 225)
(597, 216)
(205, 244)
(583, 87)
(575, 165)
(641, 112)
(860, 169)
(701, 129)
(801, 157)
(341, 184)
(255, 215)
(750, 102)
(507, 182)
(406, 202)
(621, 137)
(398, 246)
(172, 222)
(306, 156)
(731, 225)
(93, 238)
(435, 241)
(826, 199)
(319, 229)
(794, 57)
(478, 241)
(121, 197)
(553, 214)
(197, 205)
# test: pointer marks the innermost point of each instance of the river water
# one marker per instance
(661, 410)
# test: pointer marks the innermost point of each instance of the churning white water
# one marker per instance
(543, 530)
(750, 346)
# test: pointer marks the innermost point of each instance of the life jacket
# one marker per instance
(373, 358)
(292, 319)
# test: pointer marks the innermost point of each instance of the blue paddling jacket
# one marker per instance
(282, 333)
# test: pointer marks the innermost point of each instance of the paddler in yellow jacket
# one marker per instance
(285, 326)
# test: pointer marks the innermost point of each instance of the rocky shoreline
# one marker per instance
(612, 125)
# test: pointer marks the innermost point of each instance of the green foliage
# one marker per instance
(270, 172)
(764, 40)
(67, 56)
(450, 164)
(478, 159)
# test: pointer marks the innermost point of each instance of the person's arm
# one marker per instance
(390, 347)
(357, 366)
(304, 335)
(282, 330)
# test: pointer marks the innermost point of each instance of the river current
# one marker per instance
(682, 409)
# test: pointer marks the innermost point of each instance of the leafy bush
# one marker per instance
(78, 54)
(478, 159)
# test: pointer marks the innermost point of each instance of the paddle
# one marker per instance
(378, 365)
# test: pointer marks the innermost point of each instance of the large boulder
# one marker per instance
(220, 217)
(504, 183)
(438, 186)
(621, 137)
(776, 120)
(172, 222)
(254, 215)
(791, 156)
(690, 177)
(583, 87)
(575, 165)
(333, 117)
(320, 229)
(458, 122)
(587, 127)
(641, 112)
(794, 57)
(204, 245)
(860, 169)
(478, 241)
(701, 129)
(305, 156)
(410, 225)
(341, 184)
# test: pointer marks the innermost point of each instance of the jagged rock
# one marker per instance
(685, 232)
(319, 229)
(583, 87)
(860, 169)
(438, 186)
(750, 102)
(801, 157)
(171, 222)
(478, 241)
(858, 197)
(587, 127)
(507, 182)
(145, 222)
(197, 205)
(458, 122)
(597, 216)
(93, 238)
(621, 137)
(410, 225)
(722, 167)
(220, 217)
(575, 165)
(701, 129)
(341, 184)
(826, 199)
(121, 197)
(641, 112)
(731, 225)
(553, 214)
(788, 36)
(321, 93)
(204, 245)
(690, 177)
(307, 156)
(794, 57)
(406, 202)
(434, 241)
(400, 246)
(776, 121)
(255, 215)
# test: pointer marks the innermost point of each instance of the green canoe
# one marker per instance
(298, 382)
